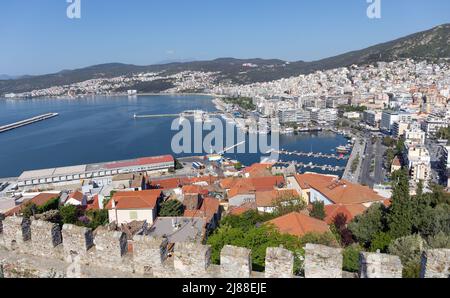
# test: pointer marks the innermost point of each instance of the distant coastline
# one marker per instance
(117, 94)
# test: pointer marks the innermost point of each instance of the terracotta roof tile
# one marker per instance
(298, 224)
(146, 199)
(338, 191)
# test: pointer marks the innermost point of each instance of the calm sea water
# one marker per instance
(100, 129)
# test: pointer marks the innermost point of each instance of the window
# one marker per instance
(133, 215)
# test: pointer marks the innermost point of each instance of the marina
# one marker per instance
(312, 154)
(29, 121)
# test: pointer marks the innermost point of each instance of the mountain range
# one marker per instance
(432, 44)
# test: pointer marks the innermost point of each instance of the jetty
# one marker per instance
(185, 114)
(29, 121)
(311, 154)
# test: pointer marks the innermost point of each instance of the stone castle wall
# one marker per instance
(41, 249)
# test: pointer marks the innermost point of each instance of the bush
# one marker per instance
(69, 214)
(351, 258)
(380, 242)
(441, 240)
(52, 204)
(318, 210)
(171, 208)
(364, 227)
(409, 249)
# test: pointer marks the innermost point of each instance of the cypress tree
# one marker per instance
(401, 212)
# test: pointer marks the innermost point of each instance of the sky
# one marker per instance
(37, 37)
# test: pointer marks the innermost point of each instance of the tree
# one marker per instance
(409, 249)
(440, 240)
(97, 218)
(364, 227)
(171, 208)
(380, 242)
(247, 220)
(401, 213)
(318, 210)
(287, 203)
(340, 226)
(351, 258)
(69, 214)
(238, 166)
(52, 204)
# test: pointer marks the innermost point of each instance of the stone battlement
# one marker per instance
(34, 248)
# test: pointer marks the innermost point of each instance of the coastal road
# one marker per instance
(379, 160)
(366, 178)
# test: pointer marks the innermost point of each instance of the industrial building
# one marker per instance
(95, 171)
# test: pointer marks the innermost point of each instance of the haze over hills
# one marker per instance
(431, 45)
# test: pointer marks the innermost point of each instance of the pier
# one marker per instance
(185, 114)
(312, 154)
(313, 166)
(29, 121)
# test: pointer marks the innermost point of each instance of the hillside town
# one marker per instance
(393, 191)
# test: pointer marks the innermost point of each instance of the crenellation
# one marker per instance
(377, 265)
(77, 241)
(16, 231)
(435, 263)
(110, 245)
(323, 262)
(191, 259)
(149, 254)
(279, 263)
(235, 262)
(45, 236)
(35, 249)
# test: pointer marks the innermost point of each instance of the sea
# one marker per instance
(103, 128)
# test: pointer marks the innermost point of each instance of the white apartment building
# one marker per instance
(371, 118)
(433, 124)
(399, 129)
(419, 162)
(287, 116)
(324, 115)
(413, 135)
(303, 117)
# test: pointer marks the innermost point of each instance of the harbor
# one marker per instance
(25, 122)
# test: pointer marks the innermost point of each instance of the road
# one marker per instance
(358, 150)
(374, 155)
(365, 177)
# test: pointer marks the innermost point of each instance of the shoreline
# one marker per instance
(115, 95)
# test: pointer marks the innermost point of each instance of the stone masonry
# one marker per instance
(235, 262)
(76, 241)
(436, 263)
(35, 250)
(149, 254)
(279, 263)
(376, 265)
(191, 259)
(323, 262)
(45, 236)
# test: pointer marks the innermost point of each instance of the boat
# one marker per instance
(342, 149)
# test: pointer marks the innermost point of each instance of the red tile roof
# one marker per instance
(141, 162)
(270, 198)
(38, 200)
(350, 212)
(251, 185)
(145, 199)
(77, 195)
(258, 170)
(209, 208)
(298, 224)
(338, 191)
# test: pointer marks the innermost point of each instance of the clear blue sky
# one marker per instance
(37, 37)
